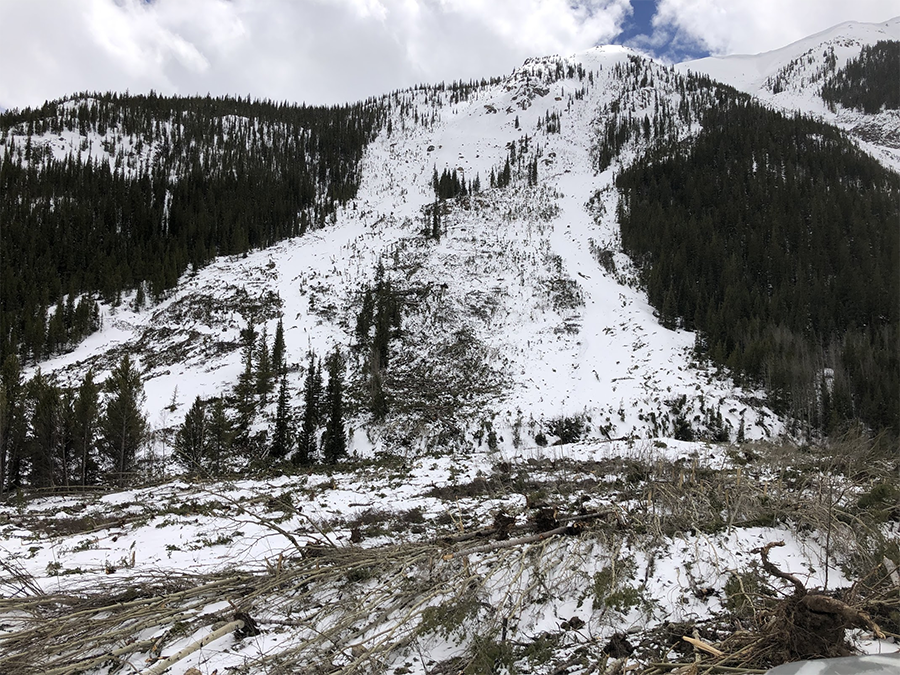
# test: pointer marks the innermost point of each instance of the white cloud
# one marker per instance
(312, 50)
(754, 26)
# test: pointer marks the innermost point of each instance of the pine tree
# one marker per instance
(281, 436)
(279, 360)
(46, 431)
(191, 440)
(218, 438)
(435, 221)
(85, 418)
(312, 388)
(334, 440)
(123, 425)
(13, 423)
(245, 390)
(264, 369)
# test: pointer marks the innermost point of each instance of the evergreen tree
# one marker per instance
(191, 439)
(85, 418)
(218, 438)
(334, 439)
(435, 221)
(264, 370)
(312, 395)
(279, 360)
(245, 390)
(123, 426)
(281, 436)
(46, 431)
(13, 423)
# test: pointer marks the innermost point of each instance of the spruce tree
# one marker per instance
(85, 418)
(334, 440)
(218, 438)
(13, 423)
(46, 431)
(245, 390)
(123, 426)
(279, 357)
(264, 370)
(312, 388)
(281, 436)
(191, 438)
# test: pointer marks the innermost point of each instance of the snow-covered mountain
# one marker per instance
(528, 502)
(515, 289)
(528, 284)
(791, 79)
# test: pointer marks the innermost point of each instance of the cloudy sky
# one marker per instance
(333, 51)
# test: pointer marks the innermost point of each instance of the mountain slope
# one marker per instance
(537, 328)
(520, 492)
(791, 78)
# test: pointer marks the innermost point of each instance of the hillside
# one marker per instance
(499, 376)
(792, 78)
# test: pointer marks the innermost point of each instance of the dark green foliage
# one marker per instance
(219, 436)
(264, 371)
(777, 240)
(436, 221)
(191, 438)
(13, 423)
(279, 359)
(85, 420)
(123, 425)
(682, 429)
(225, 175)
(870, 82)
(448, 185)
(281, 435)
(312, 404)
(245, 390)
(334, 439)
(567, 429)
(381, 310)
(46, 441)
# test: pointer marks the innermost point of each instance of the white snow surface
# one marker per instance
(803, 68)
(492, 274)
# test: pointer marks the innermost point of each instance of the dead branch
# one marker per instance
(799, 588)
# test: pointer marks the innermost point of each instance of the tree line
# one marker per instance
(221, 433)
(776, 239)
(869, 82)
(158, 185)
(56, 436)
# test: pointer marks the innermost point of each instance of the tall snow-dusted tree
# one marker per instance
(312, 394)
(334, 440)
(281, 435)
(264, 370)
(245, 390)
(191, 438)
(218, 437)
(84, 423)
(123, 425)
(279, 355)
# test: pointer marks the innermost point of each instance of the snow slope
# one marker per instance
(514, 281)
(801, 68)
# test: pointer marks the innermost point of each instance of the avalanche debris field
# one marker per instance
(645, 557)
